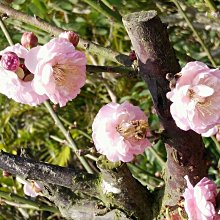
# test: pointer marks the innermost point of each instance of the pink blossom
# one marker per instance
(200, 200)
(32, 189)
(14, 87)
(119, 131)
(196, 98)
(59, 70)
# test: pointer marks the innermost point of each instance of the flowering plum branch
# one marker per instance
(56, 71)
(84, 44)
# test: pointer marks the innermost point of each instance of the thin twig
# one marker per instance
(211, 6)
(144, 171)
(84, 44)
(217, 144)
(195, 32)
(111, 69)
(156, 155)
(66, 143)
(6, 33)
(105, 10)
(67, 135)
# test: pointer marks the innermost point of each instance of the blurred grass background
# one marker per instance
(32, 128)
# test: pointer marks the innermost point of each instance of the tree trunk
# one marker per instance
(156, 58)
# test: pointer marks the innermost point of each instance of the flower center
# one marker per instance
(133, 129)
(59, 74)
(202, 103)
(195, 97)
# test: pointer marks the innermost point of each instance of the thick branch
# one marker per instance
(84, 44)
(156, 57)
(62, 176)
(72, 191)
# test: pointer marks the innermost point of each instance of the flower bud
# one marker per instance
(132, 55)
(71, 37)
(6, 174)
(10, 61)
(29, 40)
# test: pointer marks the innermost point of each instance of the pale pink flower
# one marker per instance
(200, 200)
(119, 131)
(11, 85)
(196, 98)
(32, 189)
(59, 70)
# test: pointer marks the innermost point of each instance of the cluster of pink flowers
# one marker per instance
(31, 74)
(196, 99)
(119, 131)
(200, 200)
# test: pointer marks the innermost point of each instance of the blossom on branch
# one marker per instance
(31, 188)
(59, 70)
(119, 131)
(200, 200)
(196, 99)
(15, 79)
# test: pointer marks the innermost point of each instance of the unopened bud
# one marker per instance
(132, 55)
(10, 61)
(71, 37)
(6, 174)
(29, 40)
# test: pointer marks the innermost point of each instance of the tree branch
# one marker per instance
(114, 188)
(156, 58)
(111, 69)
(105, 10)
(48, 173)
(68, 136)
(84, 44)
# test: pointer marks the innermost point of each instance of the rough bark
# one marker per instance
(126, 193)
(156, 58)
(78, 195)
(48, 173)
